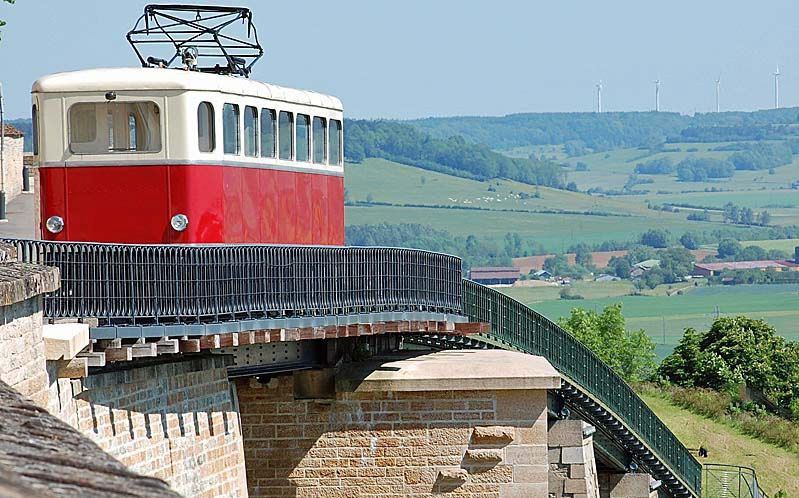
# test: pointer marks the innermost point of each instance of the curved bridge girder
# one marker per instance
(590, 388)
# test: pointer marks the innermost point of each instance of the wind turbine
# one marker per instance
(599, 97)
(718, 91)
(777, 88)
(657, 95)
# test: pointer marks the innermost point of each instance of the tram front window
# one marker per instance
(114, 127)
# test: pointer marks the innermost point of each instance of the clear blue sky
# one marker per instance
(414, 58)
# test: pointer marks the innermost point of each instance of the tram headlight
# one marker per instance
(54, 224)
(179, 222)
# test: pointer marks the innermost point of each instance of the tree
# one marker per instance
(557, 265)
(728, 248)
(655, 237)
(764, 219)
(688, 241)
(737, 350)
(583, 255)
(620, 267)
(630, 353)
(2, 22)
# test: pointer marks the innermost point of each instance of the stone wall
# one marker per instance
(22, 363)
(22, 360)
(177, 421)
(12, 166)
(572, 466)
(490, 444)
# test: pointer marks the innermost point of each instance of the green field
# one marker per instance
(609, 170)
(776, 468)
(395, 183)
(665, 318)
(387, 182)
(787, 245)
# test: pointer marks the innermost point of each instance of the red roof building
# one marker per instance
(11, 132)
(495, 275)
(715, 269)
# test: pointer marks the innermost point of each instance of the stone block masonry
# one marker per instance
(22, 358)
(177, 421)
(572, 466)
(490, 443)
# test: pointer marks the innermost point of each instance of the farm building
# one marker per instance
(715, 269)
(494, 275)
(643, 267)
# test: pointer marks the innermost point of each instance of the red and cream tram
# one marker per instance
(160, 155)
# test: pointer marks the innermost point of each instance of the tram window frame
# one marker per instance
(35, 129)
(303, 154)
(319, 149)
(285, 139)
(95, 126)
(268, 150)
(339, 141)
(206, 128)
(251, 142)
(228, 107)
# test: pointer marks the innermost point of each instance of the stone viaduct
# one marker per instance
(380, 404)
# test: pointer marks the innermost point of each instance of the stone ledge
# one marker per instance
(462, 370)
(21, 281)
(64, 341)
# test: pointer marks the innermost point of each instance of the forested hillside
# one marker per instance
(613, 130)
(23, 125)
(453, 155)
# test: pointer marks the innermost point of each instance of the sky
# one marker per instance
(419, 58)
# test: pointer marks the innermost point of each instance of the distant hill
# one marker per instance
(452, 155)
(23, 125)
(613, 130)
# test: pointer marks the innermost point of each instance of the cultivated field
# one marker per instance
(387, 182)
(665, 318)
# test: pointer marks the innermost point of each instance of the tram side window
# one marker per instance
(286, 135)
(268, 133)
(303, 137)
(230, 129)
(206, 134)
(319, 140)
(250, 131)
(35, 126)
(114, 127)
(335, 142)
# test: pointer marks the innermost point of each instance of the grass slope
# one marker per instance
(384, 181)
(776, 468)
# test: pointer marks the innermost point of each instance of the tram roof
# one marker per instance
(125, 79)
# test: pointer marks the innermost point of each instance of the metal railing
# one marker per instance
(164, 284)
(520, 327)
(730, 481)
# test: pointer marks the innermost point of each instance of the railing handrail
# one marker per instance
(523, 328)
(751, 486)
(125, 284)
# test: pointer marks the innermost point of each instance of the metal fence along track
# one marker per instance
(520, 327)
(166, 284)
(730, 481)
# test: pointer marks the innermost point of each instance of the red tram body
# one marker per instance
(152, 155)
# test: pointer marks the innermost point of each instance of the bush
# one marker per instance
(693, 169)
(567, 294)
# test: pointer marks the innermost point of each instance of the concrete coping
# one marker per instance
(21, 281)
(63, 341)
(461, 370)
